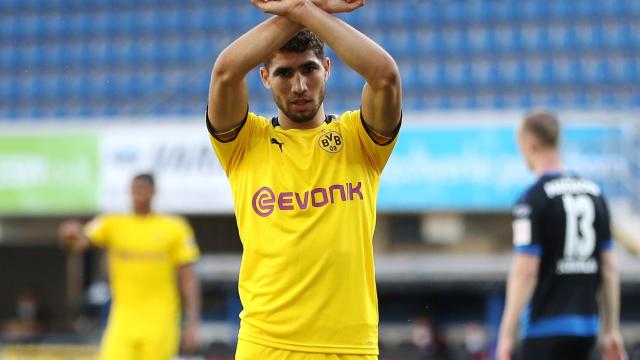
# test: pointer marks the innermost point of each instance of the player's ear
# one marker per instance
(264, 76)
(326, 63)
(533, 144)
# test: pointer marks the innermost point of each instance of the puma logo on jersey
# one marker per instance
(275, 141)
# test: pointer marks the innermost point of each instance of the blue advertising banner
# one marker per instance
(477, 167)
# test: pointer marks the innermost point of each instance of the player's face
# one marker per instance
(142, 192)
(297, 83)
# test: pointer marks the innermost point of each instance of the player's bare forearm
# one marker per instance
(228, 94)
(338, 6)
(521, 283)
(609, 293)
(190, 287)
(611, 342)
(519, 290)
(626, 235)
(381, 100)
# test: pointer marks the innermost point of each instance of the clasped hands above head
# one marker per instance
(286, 7)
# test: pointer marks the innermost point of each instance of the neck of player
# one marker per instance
(547, 162)
(142, 209)
(313, 123)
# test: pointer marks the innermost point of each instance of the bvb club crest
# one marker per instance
(331, 142)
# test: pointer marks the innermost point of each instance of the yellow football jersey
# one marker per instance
(305, 203)
(144, 253)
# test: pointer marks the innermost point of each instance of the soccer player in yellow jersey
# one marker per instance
(148, 255)
(304, 183)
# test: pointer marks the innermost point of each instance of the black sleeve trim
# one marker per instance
(370, 132)
(213, 133)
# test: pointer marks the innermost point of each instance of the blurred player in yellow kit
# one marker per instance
(149, 255)
(305, 183)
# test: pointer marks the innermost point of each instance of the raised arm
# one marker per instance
(382, 93)
(228, 93)
(523, 278)
(72, 237)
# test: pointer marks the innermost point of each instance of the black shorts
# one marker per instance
(557, 348)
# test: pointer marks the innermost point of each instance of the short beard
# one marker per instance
(300, 118)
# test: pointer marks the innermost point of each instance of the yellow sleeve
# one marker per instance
(378, 155)
(230, 153)
(97, 230)
(185, 250)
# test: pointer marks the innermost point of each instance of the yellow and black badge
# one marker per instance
(331, 141)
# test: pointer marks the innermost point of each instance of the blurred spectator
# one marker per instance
(428, 344)
(29, 321)
(476, 342)
(635, 351)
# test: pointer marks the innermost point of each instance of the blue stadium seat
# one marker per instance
(543, 41)
(511, 10)
(108, 85)
(570, 38)
(530, 10)
(504, 37)
(634, 8)
(229, 16)
(524, 101)
(517, 45)
(556, 36)
(491, 44)
(625, 38)
(548, 74)
(634, 100)
(458, 12)
(409, 74)
(617, 8)
(433, 75)
(449, 74)
(455, 41)
(406, 42)
(580, 100)
(598, 39)
(587, 8)
(602, 71)
(494, 78)
(254, 82)
(8, 87)
(561, 9)
(520, 76)
(631, 70)
(582, 36)
(33, 56)
(479, 72)
(59, 86)
(386, 15)
(428, 42)
(475, 36)
(574, 73)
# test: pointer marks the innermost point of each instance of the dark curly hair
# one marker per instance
(148, 177)
(301, 42)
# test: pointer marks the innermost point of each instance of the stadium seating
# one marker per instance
(115, 58)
